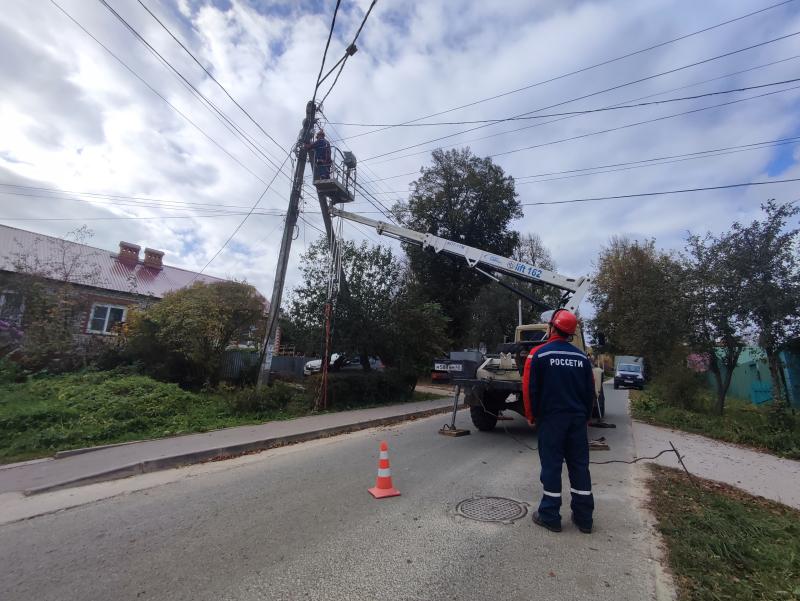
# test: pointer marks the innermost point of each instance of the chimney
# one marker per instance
(153, 258)
(128, 253)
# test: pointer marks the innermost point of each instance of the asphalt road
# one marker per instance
(298, 523)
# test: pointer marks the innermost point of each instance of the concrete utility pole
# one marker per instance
(286, 243)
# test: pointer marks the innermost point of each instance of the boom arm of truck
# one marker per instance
(479, 259)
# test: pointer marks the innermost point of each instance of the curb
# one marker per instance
(230, 451)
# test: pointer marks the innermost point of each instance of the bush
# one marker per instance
(359, 388)
(280, 397)
(678, 386)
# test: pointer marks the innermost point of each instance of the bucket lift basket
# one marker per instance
(337, 181)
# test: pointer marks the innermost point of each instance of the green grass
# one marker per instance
(43, 415)
(53, 413)
(723, 544)
(742, 422)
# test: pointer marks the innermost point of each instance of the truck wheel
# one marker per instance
(485, 422)
(616, 386)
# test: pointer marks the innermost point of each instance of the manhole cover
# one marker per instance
(492, 509)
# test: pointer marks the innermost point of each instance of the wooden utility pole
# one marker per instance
(286, 243)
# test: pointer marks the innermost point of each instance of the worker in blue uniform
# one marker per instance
(562, 393)
(321, 153)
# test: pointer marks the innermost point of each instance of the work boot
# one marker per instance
(551, 526)
(584, 529)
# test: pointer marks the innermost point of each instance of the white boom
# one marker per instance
(477, 258)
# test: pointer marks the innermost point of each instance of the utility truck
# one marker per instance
(497, 382)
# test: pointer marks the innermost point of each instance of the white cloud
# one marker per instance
(73, 118)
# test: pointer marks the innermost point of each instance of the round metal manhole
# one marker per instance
(492, 509)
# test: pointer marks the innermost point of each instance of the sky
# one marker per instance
(99, 130)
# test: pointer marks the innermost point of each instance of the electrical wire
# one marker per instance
(661, 193)
(210, 75)
(226, 121)
(244, 219)
(675, 89)
(351, 49)
(156, 92)
(581, 112)
(193, 216)
(325, 52)
(591, 94)
(588, 68)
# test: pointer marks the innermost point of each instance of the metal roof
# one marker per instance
(89, 266)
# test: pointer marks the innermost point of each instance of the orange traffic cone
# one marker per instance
(383, 484)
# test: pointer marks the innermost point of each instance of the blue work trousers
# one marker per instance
(565, 438)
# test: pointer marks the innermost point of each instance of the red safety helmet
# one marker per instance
(564, 321)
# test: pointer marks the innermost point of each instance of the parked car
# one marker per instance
(340, 363)
(315, 365)
(629, 375)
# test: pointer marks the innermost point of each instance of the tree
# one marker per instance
(382, 314)
(637, 295)
(763, 255)
(495, 311)
(183, 337)
(50, 297)
(463, 198)
(714, 308)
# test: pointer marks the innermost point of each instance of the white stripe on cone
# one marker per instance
(384, 473)
(384, 455)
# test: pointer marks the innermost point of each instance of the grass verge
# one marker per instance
(723, 543)
(742, 423)
(43, 415)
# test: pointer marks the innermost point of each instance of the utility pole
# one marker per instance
(286, 244)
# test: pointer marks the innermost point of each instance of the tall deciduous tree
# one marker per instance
(714, 308)
(495, 311)
(382, 314)
(764, 256)
(637, 295)
(467, 199)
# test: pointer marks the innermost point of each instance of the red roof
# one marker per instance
(89, 266)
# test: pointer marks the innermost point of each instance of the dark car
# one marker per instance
(629, 375)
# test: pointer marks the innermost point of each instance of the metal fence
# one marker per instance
(236, 362)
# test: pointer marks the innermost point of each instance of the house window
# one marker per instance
(104, 317)
(12, 306)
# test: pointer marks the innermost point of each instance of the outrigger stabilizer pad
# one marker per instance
(448, 430)
(601, 424)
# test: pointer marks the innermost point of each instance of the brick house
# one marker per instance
(110, 282)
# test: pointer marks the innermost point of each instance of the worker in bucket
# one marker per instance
(560, 390)
(321, 153)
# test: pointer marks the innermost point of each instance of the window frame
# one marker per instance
(17, 321)
(108, 306)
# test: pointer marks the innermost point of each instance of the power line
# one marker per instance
(214, 79)
(691, 85)
(657, 163)
(661, 193)
(590, 67)
(208, 104)
(350, 51)
(242, 222)
(637, 123)
(143, 201)
(122, 218)
(581, 112)
(325, 52)
(156, 92)
(653, 161)
(583, 97)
